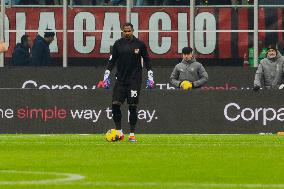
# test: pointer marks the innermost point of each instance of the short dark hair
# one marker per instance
(49, 33)
(272, 46)
(24, 39)
(126, 25)
(187, 50)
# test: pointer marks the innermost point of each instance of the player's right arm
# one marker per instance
(111, 63)
(175, 77)
(258, 77)
(113, 58)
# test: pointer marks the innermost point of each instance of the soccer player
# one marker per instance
(127, 53)
(189, 73)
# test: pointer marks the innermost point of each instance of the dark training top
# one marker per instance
(21, 55)
(40, 52)
(126, 55)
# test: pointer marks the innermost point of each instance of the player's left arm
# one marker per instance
(145, 56)
(203, 77)
(147, 64)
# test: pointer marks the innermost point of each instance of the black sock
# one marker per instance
(132, 117)
(132, 128)
(116, 116)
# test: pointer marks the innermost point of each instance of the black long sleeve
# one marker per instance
(126, 56)
(113, 58)
(146, 58)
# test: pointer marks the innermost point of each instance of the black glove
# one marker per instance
(256, 88)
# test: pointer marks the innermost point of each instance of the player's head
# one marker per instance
(49, 36)
(26, 41)
(127, 30)
(187, 53)
(271, 51)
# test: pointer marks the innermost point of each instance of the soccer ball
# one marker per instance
(186, 85)
(112, 135)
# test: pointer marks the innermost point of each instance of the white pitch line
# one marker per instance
(75, 177)
(142, 144)
(182, 184)
(67, 178)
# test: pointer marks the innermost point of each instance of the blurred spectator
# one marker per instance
(100, 2)
(59, 2)
(21, 55)
(28, 2)
(271, 2)
(224, 2)
(176, 2)
(138, 3)
(40, 50)
(242, 2)
(82, 2)
(145, 2)
(91, 2)
(270, 70)
(219, 2)
(46, 2)
(149, 2)
(13, 2)
(117, 2)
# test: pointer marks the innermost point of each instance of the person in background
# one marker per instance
(270, 70)
(138, 3)
(28, 2)
(13, 2)
(271, 2)
(21, 55)
(189, 73)
(176, 2)
(40, 50)
(213, 2)
(117, 2)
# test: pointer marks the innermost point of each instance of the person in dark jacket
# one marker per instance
(21, 54)
(40, 50)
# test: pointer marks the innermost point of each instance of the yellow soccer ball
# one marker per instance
(112, 135)
(185, 85)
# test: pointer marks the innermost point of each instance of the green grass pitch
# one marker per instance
(155, 161)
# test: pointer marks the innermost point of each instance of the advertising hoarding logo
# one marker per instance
(234, 112)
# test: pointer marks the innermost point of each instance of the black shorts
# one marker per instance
(122, 91)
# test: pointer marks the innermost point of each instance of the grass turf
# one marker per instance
(155, 161)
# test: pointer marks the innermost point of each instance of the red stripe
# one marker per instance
(242, 25)
(279, 11)
(224, 39)
(261, 24)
